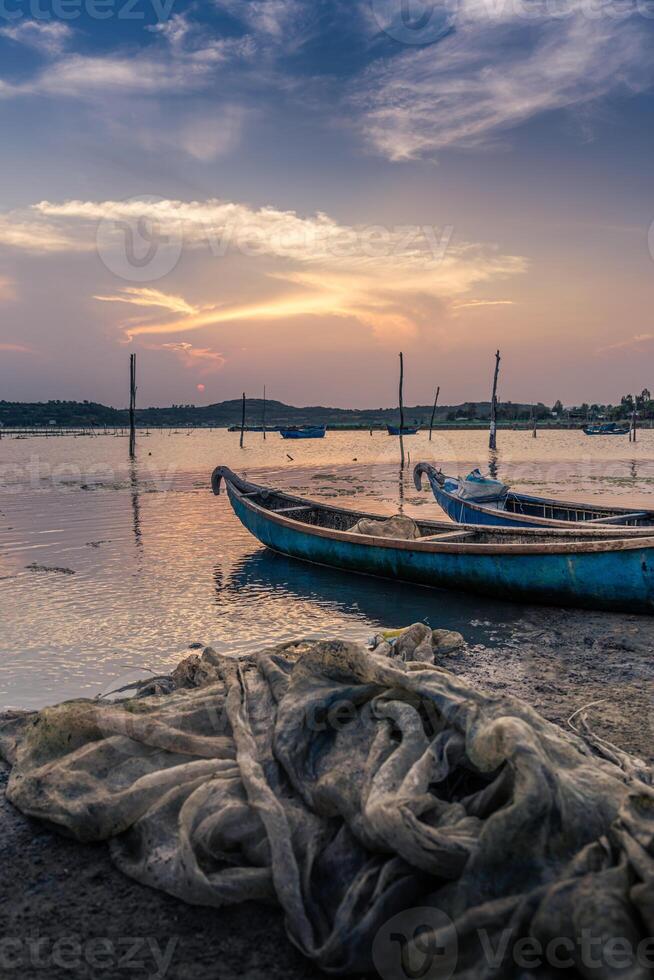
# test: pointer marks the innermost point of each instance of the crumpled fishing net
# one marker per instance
(398, 526)
(377, 798)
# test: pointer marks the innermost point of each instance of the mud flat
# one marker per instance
(68, 911)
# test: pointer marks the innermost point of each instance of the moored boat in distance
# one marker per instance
(593, 568)
(607, 429)
(407, 430)
(303, 432)
(479, 500)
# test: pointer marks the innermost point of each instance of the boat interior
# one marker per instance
(535, 507)
(337, 519)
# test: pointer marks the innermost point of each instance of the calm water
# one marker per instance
(109, 569)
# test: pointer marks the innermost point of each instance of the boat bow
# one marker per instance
(224, 473)
(435, 476)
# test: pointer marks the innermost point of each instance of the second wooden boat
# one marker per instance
(504, 508)
(589, 568)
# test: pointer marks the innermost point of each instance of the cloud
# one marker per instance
(183, 59)
(192, 357)
(386, 278)
(49, 36)
(15, 349)
(500, 65)
(287, 21)
(474, 304)
(25, 231)
(421, 251)
(7, 289)
(640, 342)
(144, 296)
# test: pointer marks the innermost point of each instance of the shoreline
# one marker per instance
(53, 887)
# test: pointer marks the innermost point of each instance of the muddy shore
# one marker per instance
(70, 913)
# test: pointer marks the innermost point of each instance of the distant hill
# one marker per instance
(88, 414)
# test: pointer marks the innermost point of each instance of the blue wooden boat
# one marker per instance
(304, 432)
(407, 430)
(607, 429)
(505, 508)
(589, 568)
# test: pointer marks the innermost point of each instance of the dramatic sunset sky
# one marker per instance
(288, 193)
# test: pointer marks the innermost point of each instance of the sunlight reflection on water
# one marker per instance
(107, 567)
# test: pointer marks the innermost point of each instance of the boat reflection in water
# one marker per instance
(309, 592)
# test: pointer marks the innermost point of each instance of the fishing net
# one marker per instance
(395, 812)
(398, 526)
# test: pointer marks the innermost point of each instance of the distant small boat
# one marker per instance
(304, 432)
(253, 428)
(407, 430)
(479, 500)
(607, 429)
(573, 567)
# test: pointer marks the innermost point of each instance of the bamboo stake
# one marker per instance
(492, 441)
(401, 409)
(632, 434)
(132, 404)
(242, 421)
(263, 419)
(433, 412)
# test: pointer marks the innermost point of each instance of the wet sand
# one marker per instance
(53, 888)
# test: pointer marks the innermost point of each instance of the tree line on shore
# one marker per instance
(87, 414)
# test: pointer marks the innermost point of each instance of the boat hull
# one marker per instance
(562, 515)
(591, 431)
(317, 433)
(606, 579)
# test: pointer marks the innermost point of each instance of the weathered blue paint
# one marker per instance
(560, 514)
(310, 432)
(605, 578)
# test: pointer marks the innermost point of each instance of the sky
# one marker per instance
(288, 193)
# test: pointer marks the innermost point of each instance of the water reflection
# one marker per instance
(136, 505)
(129, 561)
(265, 574)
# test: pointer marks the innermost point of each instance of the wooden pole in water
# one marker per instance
(492, 441)
(263, 418)
(433, 411)
(132, 404)
(632, 434)
(402, 408)
(242, 421)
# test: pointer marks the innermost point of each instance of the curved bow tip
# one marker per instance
(429, 470)
(217, 477)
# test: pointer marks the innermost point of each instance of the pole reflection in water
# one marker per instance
(136, 506)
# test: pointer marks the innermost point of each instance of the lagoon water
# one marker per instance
(109, 568)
